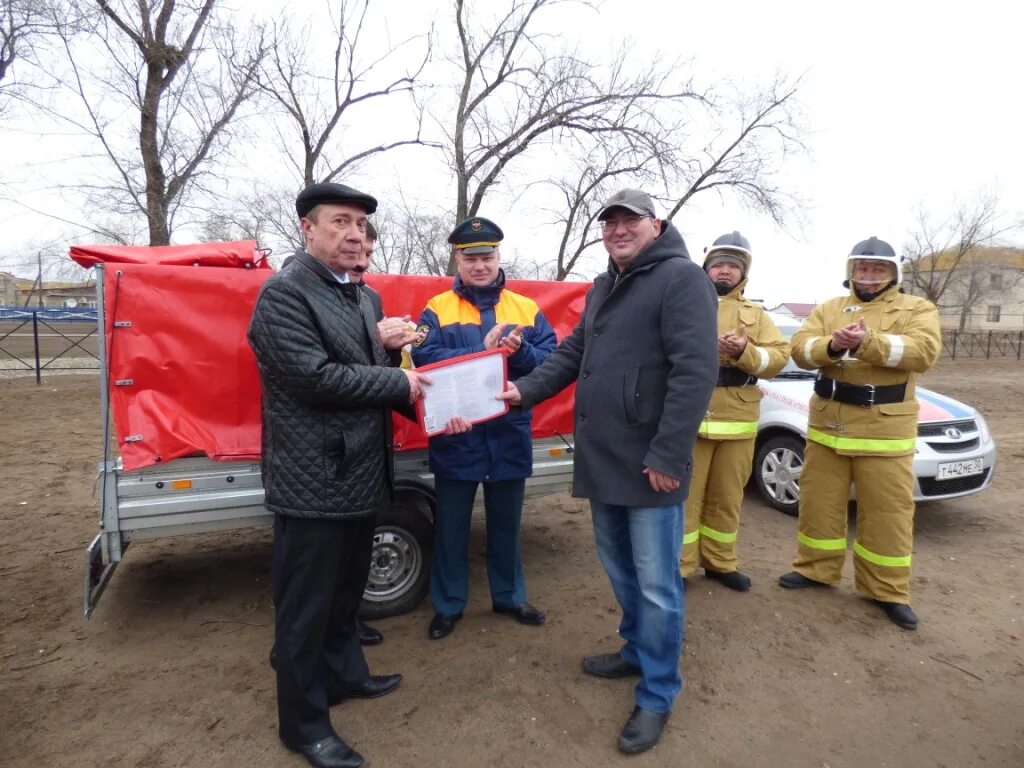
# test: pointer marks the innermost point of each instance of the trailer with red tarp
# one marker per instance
(180, 396)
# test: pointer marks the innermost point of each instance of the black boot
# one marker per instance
(442, 625)
(330, 752)
(368, 635)
(610, 665)
(642, 730)
(900, 614)
(794, 580)
(731, 579)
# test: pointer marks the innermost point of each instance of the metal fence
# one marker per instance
(38, 340)
(985, 344)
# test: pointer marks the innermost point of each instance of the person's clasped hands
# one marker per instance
(496, 338)
(732, 343)
(396, 332)
(849, 336)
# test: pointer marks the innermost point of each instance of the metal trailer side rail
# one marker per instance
(199, 495)
(105, 551)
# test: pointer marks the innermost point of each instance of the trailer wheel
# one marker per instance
(400, 562)
(777, 467)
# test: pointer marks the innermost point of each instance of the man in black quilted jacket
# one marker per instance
(328, 392)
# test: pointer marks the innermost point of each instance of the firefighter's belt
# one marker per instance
(859, 394)
(734, 377)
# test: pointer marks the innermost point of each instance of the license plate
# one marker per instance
(953, 469)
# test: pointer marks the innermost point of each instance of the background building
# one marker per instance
(981, 289)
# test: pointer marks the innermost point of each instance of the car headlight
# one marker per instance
(986, 435)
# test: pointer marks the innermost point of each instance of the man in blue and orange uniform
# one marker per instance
(479, 314)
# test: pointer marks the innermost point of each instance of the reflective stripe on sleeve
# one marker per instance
(691, 538)
(895, 350)
(710, 428)
(763, 355)
(808, 346)
(824, 544)
(711, 533)
(871, 557)
(875, 445)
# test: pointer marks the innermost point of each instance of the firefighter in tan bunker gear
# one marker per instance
(869, 348)
(749, 347)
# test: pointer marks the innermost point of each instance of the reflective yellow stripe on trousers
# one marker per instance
(711, 533)
(875, 445)
(691, 538)
(710, 428)
(886, 560)
(825, 544)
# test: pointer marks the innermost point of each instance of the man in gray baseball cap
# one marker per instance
(633, 200)
(644, 358)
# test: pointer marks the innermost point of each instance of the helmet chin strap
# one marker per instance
(868, 295)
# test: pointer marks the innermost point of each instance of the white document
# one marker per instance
(465, 388)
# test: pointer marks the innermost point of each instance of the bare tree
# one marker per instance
(640, 155)
(43, 260)
(653, 149)
(751, 136)
(22, 25)
(318, 95)
(411, 242)
(184, 71)
(517, 93)
(941, 254)
(222, 225)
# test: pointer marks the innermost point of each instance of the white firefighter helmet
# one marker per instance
(733, 247)
(874, 249)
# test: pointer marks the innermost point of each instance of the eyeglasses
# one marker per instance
(631, 222)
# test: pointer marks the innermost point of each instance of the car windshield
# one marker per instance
(792, 370)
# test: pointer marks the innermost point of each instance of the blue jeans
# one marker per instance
(639, 548)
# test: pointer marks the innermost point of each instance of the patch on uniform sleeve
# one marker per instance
(424, 329)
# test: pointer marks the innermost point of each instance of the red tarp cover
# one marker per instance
(237, 253)
(195, 385)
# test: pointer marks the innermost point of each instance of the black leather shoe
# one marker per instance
(331, 752)
(610, 665)
(375, 687)
(524, 613)
(794, 580)
(899, 614)
(642, 730)
(442, 625)
(368, 635)
(731, 579)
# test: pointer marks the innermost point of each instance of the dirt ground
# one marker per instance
(171, 670)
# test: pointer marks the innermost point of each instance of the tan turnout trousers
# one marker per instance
(885, 520)
(720, 471)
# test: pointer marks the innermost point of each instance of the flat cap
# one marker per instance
(331, 192)
(476, 235)
(634, 200)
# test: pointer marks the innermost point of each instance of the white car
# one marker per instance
(956, 454)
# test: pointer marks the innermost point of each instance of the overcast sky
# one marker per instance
(906, 104)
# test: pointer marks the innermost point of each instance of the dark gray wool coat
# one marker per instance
(645, 358)
(328, 391)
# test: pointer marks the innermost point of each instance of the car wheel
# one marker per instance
(777, 467)
(399, 563)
